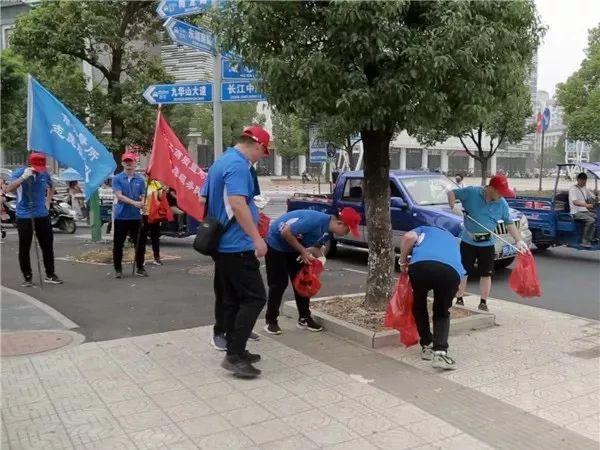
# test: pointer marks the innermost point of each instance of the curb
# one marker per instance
(378, 339)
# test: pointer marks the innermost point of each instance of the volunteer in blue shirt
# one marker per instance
(294, 239)
(435, 264)
(130, 191)
(487, 206)
(230, 192)
(34, 195)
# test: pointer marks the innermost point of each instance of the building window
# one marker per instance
(6, 32)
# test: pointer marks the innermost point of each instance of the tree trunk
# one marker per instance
(115, 95)
(377, 211)
(288, 168)
(484, 169)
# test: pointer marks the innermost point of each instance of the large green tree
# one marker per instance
(580, 95)
(381, 67)
(290, 138)
(115, 37)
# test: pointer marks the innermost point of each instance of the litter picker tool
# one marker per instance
(495, 234)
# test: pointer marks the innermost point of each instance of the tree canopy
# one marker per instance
(580, 94)
(382, 67)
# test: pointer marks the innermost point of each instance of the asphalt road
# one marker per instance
(179, 294)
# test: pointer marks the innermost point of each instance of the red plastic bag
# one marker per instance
(263, 224)
(524, 279)
(399, 314)
(307, 282)
(160, 211)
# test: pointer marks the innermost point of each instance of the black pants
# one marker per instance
(444, 281)
(483, 256)
(219, 327)
(280, 267)
(123, 228)
(43, 232)
(243, 296)
(153, 229)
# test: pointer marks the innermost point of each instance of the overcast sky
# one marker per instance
(561, 52)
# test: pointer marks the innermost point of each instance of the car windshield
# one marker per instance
(429, 190)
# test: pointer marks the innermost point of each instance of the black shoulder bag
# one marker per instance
(209, 233)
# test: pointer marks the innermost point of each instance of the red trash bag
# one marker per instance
(399, 314)
(263, 224)
(160, 211)
(307, 282)
(524, 279)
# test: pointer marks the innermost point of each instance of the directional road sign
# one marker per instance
(317, 148)
(546, 118)
(177, 8)
(240, 91)
(179, 93)
(186, 34)
(234, 70)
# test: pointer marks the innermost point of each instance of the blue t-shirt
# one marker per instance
(228, 176)
(310, 228)
(133, 188)
(486, 213)
(31, 195)
(435, 244)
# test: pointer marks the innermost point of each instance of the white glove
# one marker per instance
(260, 201)
(522, 247)
(458, 210)
(27, 173)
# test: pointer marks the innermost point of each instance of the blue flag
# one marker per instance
(52, 129)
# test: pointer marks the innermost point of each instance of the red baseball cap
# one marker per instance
(258, 134)
(500, 183)
(351, 218)
(37, 161)
(129, 155)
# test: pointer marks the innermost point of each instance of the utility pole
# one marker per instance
(217, 111)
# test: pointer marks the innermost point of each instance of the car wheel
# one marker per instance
(542, 247)
(503, 263)
(330, 248)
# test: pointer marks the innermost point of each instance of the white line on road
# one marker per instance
(355, 270)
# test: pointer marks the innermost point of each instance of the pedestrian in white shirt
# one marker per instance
(581, 202)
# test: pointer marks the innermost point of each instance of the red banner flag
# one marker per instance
(171, 164)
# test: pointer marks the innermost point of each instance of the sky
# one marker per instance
(561, 51)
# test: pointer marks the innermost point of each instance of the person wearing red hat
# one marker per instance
(130, 191)
(483, 209)
(229, 191)
(294, 239)
(34, 194)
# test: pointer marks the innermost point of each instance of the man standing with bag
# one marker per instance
(129, 189)
(230, 191)
(34, 194)
(435, 264)
(483, 206)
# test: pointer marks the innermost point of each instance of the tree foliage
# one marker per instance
(115, 37)
(336, 132)
(236, 116)
(580, 94)
(290, 137)
(382, 67)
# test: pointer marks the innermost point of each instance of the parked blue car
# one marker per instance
(416, 198)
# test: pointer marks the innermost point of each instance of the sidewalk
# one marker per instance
(531, 382)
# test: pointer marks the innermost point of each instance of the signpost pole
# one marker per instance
(217, 110)
(541, 160)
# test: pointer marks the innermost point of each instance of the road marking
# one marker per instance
(355, 270)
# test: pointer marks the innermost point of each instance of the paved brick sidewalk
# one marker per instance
(317, 391)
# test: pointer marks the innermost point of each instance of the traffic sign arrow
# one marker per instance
(186, 34)
(179, 93)
(177, 8)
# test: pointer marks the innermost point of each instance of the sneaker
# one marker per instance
(251, 357)
(157, 262)
(53, 280)
(28, 282)
(141, 273)
(240, 367)
(483, 307)
(253, 336)
(441, 360)
(118, 275)
(427, 352)
(460, 302)
(219, 342)
(309, 324)
(272, 328)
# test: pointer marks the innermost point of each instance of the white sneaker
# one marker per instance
(441, 360)
(427, 352)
